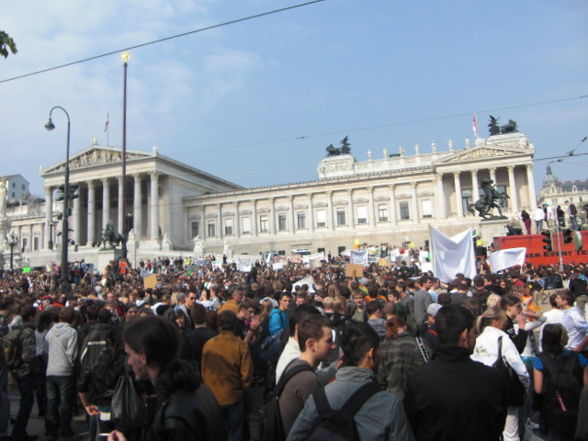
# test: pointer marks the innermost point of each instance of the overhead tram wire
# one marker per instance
(160, 40)
(392, 124)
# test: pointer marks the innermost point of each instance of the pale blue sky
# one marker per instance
(234, 100)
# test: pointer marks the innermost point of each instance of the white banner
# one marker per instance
(504, 259)
(308, 280)
(244, 263)
(310, 257)
(452, 255)
(359, 257)
(278, 266)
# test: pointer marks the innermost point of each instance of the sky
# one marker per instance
(257, 102)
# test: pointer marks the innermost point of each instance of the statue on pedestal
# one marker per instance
(110, 238)
(198, 246)
(166, 243)
(488, 201)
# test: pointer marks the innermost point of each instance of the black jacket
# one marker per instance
(189, 416)
(454, 398)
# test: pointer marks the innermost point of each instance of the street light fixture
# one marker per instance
(125, 57)
(12, 241)
(65, 227)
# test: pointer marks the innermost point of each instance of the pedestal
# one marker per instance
(491, 228)
(105, 256)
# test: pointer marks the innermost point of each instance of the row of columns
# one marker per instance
(514, 196)
(106, 214)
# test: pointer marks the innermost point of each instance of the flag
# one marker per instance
(475, 125)
(452, 255)
(106, 123)
(504, 259)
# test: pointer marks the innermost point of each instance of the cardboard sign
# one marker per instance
(353, 270)
(150, 281)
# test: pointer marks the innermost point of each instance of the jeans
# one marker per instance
(60, 402)
(573, 223)
(26, 388)
(538, 226)
(234, 419)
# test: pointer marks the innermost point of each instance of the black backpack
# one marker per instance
(515, 391)
(563, 384)
(338, 424)
(268, 419)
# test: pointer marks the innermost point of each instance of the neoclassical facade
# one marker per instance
(389, 200)
(554, 192)
(174, 208)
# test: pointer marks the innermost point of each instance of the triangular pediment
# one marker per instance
(479, 152)
(97, 156)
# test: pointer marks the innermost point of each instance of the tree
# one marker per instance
(493, 126)
(6, 43)
(345, 146)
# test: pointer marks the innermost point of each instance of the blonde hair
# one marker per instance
(491, 314)
(493, 300)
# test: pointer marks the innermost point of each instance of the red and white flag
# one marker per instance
(475, 125)
(106, 123)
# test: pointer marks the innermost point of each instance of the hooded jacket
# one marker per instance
(62, 343)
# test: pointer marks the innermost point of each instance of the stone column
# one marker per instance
(273, 217)
(121, 215)
(514, 197)
(440, 196)
(310, 213)
(91, 212)
(254, 220)
(393, 219)
(459, 205)
(531, 181)
(415, 203)
(292, 215)
(220, 221)
(155, 207)
(137, 207)
(372, 210)
(105, 202)
(493, 175)
(237, 221)
(48, 215)
(330, 212)
(351, 210)
(475, 187)
(75, 225)
(204, 232)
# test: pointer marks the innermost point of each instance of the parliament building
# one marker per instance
(175, 209)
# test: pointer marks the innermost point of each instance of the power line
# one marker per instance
(183, 34)
(394, 124)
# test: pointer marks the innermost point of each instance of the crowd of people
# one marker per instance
(207, 349)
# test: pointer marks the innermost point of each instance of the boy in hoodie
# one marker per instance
(62, 348)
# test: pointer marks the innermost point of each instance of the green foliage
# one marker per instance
(6, 44)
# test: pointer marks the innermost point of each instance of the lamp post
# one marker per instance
(65, 225)
(125, 57)
(52, 225)
(12, 240)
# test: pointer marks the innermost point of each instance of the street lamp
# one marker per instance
(12, 241)
(65, 227)
(125, 57)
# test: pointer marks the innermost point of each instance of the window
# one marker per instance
(426, 208)
(263, 223)
(362, 214)
(23, 186)
(383, 213)
(340, 216)
(321, 218)
(502, 203)
(228, 227)
(195, 228)
(35, 243)
(404, 211)
(246, 225)
(282, 226)
(13, 185)
(301, 220)
(211, 229)
(466, 199)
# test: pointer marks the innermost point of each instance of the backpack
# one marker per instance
(515, 391)
(338, 424)
(269, 418)
(563, 384)
(13, 349)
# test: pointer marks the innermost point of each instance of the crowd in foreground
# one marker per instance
(213, 353)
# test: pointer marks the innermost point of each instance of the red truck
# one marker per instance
(538, 255)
